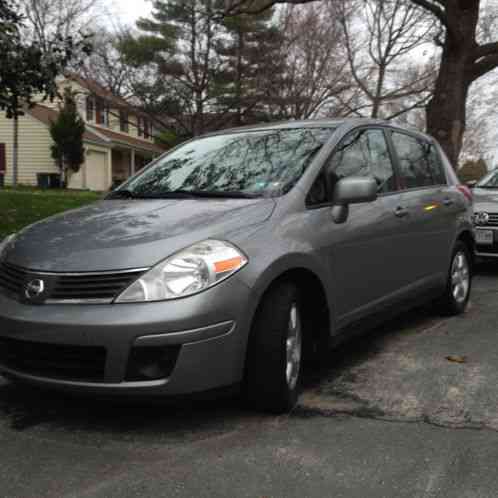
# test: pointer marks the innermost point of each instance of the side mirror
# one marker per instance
(348, 191)
(471, 184)
(354, 190)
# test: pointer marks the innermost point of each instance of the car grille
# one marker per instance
(60, 287)
(493, 219)
(57, 361)
(11, 278)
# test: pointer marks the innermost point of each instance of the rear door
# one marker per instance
(421, 211)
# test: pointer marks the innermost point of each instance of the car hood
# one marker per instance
(485, 200)
(125, 234)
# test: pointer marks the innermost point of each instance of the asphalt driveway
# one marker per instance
(411, 410)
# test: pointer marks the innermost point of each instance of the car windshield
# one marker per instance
(245, 164)
(489, 181)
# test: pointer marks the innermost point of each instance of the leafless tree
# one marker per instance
(108, 66)
(315, 64)
(479, 140)
(384, 40)
(46, 18)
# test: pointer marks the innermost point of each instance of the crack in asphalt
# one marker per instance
(376, 414)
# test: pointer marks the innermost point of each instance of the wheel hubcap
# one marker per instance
(293, 346)
(460, 277)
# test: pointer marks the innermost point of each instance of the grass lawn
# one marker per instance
(22, 206)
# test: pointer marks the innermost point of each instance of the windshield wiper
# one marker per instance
(121, 194)
(200, 193)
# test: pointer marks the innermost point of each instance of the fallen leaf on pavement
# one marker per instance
(457, 359)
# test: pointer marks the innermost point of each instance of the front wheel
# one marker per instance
(459, 281)
(273, 368)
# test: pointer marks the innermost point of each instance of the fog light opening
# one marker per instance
(147, 363)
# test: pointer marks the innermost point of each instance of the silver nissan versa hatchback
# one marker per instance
(234, 256)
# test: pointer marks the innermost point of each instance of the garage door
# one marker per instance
(97, 177)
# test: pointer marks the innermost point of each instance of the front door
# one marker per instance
(367, 257)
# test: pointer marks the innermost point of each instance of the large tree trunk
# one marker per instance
(446, 113)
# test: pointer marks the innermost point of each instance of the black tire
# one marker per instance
(267, 385)
(450, 303)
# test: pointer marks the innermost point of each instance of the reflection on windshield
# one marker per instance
(239, 164)
(489, 181)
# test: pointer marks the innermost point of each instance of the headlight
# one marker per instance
(185, 273)
(5, 242)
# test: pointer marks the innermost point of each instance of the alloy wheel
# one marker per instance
(293, 346)
(460, 277)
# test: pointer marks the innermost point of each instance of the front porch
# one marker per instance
(126, 162)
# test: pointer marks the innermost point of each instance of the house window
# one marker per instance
(124, 121)
(102, 113)
(140, 123)
(146, 129)
(90, 109)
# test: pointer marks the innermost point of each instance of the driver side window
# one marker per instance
(365, 153)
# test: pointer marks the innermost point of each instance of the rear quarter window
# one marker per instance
(419, 162)
(436, 165)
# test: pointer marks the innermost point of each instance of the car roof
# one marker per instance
(317, 123)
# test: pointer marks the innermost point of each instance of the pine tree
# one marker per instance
(178, 41)
(250, 64)
(67, 133)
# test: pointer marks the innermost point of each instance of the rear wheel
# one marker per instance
(459, 281)
(273, 369)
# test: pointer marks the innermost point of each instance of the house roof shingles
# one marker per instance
(121, 138)
(47, 115)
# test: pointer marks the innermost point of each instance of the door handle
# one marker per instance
(401, 212)
(448, 201)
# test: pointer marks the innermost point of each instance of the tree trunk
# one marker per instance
(446, 112)
(15, 151)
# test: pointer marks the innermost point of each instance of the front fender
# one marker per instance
(278, 268)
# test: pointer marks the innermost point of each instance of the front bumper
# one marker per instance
(487, 250)
(209, 332)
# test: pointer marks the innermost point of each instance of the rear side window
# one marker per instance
(365, 153)
(436, 165)
(420, 164)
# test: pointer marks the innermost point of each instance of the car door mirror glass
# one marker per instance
(354, 190)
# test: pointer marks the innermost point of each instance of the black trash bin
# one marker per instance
(48, 180)
(54, 181)
(42, 180)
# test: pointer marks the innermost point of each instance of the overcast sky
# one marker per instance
(128, 11)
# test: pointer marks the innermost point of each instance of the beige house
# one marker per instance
(118, 140)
